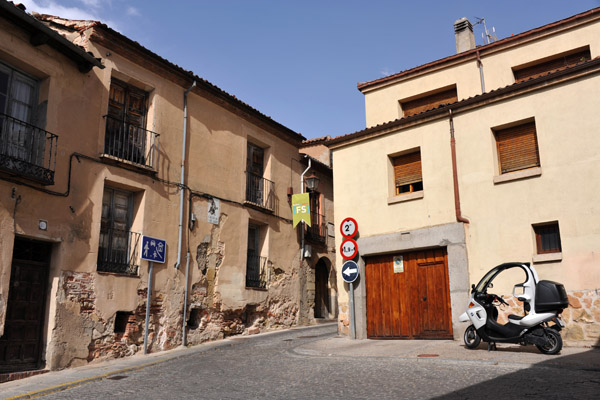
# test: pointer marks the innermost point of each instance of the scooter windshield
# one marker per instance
(484, 282)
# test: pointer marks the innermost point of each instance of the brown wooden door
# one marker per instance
(414, 303)
(21, 343)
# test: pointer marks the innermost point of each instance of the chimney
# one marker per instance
(463, 32)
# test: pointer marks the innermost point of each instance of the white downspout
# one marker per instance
(181, 191)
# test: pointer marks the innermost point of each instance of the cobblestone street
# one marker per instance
(296, 364)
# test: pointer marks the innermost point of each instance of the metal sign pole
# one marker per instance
(352, 325)
(150, 273)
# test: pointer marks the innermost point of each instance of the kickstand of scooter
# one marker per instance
(492, 346)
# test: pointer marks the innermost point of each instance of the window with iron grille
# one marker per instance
(126, 137)
(118, 248)
(25, 147)
(317, 231)
(547, 238)
(407, 173)
(552, 64)
(517, 147)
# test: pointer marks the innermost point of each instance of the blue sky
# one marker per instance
(299, 61)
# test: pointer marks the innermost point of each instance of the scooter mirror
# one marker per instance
(472, 288)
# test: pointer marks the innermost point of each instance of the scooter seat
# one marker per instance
(515, 317)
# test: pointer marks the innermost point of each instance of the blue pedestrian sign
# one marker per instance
(350, 271)
(154, 249)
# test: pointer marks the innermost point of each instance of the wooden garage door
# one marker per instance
(414, 303)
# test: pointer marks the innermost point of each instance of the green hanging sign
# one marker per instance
(301, 208)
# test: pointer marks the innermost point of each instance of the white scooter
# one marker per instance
(543, 301)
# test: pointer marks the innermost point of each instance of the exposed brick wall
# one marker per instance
(79, 288)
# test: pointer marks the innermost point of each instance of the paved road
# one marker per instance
(286, 366)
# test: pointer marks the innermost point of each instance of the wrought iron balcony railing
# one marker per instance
(131, 143)
(317, 231)
(118, 251)
(260, 191)
(27, 150)
(256, 272)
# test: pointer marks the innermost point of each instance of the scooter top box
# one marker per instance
(550, 296)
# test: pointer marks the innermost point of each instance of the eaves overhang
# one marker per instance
(41, 34)
(516, 89)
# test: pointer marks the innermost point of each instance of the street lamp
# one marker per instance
(312, 182)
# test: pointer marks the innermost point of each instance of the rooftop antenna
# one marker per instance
(487, 36)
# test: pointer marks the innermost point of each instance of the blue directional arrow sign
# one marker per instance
(350, 271)
(154, 249)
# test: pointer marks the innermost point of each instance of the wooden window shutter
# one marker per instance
(553, 65)
(517, 148)
(429, 102)
(407, 168)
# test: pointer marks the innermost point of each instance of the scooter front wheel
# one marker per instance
(554, 345)
(472, 339)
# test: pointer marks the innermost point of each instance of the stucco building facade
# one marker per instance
(104, 141)
(483, 157)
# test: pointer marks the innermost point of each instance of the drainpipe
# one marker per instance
(181, 193)
(459, 216)
(480, 65)
(302, 230)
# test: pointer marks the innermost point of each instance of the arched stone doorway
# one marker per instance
(324, 306)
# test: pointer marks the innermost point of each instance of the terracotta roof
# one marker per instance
(83, 25)
(482, 49)
(313, 141)
(41, 34)
(540, 81)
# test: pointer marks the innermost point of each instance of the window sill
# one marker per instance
(401, 198)
(523, 174)
(549, 257)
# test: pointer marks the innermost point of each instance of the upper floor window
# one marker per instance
(407, 173)
(25, 147)
(317, 231)
(118, 247)
(126, 137)
(429, 101)
(259, 190)
(551, 64)
(517, 147)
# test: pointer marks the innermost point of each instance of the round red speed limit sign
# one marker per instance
(349, 249)
(349, 227)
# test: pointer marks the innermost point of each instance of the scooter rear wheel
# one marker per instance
(555, 342)
(472, 339)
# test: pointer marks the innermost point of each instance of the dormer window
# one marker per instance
(428, 101)
(551, 64)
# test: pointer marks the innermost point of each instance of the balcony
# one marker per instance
(27, 150)
(118, 251)
(317, 231)
(131, 143)
(256, 272)
(260, 191)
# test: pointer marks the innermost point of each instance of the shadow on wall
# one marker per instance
(570, 377)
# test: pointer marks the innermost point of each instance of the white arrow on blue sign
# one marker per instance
(154, 249)
(350, 271)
